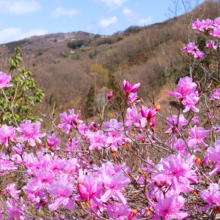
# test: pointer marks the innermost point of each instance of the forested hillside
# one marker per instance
(78, 69)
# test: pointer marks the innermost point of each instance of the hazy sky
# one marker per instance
(24, 18)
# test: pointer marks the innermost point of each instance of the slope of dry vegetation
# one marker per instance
(150, 54)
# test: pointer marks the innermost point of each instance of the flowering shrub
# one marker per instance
(125, 168)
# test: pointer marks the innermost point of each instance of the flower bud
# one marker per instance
(112, 151)
(153, 121)
(132, 214)
(197, 161)
(126, 86)
(110, 95)
(82, 192)
(157, 107)
(148, 212)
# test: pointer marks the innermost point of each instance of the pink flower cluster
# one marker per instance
(192, 49)
(186, 94)
(207, 24)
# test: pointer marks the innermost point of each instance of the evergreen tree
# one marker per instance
(90, 102)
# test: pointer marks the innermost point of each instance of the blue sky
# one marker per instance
(25, 18)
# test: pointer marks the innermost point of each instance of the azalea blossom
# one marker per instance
(169, 207)
(4, 80)
(134, 118)
(215, 94)
(69, 121)
(211, 195)
(199, 54)
(172, 122)
(198, 25)
(197, 134)
(97, 140)
(214, 155)
(130, 89)
(184, 89)
(176, 171)
(87, 187)
(211, 44)
(148, 112)
(7, 134)
(216, 32)
(52, 141)
(31, 132)
(62, 190)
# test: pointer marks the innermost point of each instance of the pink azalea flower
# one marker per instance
(6, 164)
(15, 211)
(114, 140)
(216, 32)
(93, 126)
(195, 120)
(199, 55)
(52, 141)
(173, 122)
(61, 190)
(82, 128)
(207, 24)
(213, 153)
(31, 132)
(69, 121)
(36, 196)
(18, 148)
(72, 166)
(169, 207)
(190, 48)
(42, 180)
(130, 89)
(179, 145)
(190, 101)
(133, 98)
(4, 80)
(114, 181)
(176, 172)
(185, 88)
(197, 134)
(87, 187)
(97, 140)
(211, 195)
(215, 94)
(118, 212)
(11, 189)
(6, 133)
(216, 129)
(217, 22)
(148, 112)
(113, 125)
(211, 44)
(133, 118)
(198, 25)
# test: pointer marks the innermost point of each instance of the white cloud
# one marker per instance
(18, 6)
(62, 11)
(127, 11)
(14, 34)
(113, 3)
(145, 21)
(106, 22)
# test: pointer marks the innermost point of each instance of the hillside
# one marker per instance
(150, 54)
